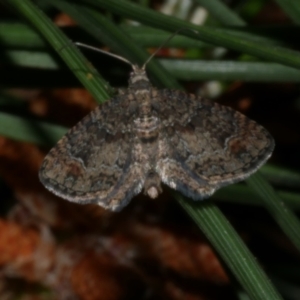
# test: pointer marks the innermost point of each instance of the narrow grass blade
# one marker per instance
(292, 9)
(231, 248)
(282, 214)
(241, 194)
(70, 54)
(281, 176)
(18, 35)
(22, 36)
(231, 70)
(221, 12)
(31, 131)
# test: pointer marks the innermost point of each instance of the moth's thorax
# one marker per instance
(146, 122)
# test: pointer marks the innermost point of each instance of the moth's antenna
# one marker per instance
(165, 42)
(105, 52)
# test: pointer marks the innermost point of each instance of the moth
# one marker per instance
(144, 137)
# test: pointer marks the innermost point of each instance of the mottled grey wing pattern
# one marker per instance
(145, 136)
(92, 162)
(210, 145)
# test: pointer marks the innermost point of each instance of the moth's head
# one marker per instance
(138, 78)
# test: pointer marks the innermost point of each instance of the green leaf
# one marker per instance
(230, 70)
(292, 9)
(22, 129)
(221, 12)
